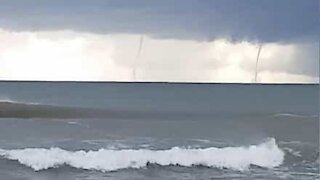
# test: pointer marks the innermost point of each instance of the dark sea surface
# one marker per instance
(68, 131)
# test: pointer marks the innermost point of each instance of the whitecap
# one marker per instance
(266, 154)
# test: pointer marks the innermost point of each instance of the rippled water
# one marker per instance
(158, 131)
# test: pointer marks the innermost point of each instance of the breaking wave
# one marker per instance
(4, 99)
(266, 155)
(293, 115)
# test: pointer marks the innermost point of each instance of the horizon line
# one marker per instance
(162, 82)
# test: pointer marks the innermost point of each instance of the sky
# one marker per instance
(167, 40)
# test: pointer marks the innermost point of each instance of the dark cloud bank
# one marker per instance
(254, 20)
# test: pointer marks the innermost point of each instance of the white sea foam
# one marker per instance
(294, 115)
(9, 100)
(266, 154)
(293, 152)
(74, 123)
(6, 99)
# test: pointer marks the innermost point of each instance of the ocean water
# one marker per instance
(158, 131)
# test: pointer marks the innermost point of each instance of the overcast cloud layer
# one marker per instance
(254, 20)
(68, 55)
(184, 40)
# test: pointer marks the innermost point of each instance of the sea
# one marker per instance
(158, 131)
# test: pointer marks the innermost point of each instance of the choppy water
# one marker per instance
(158, 131)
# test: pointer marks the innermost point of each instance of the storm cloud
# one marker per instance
(201, 20)
(183, 40)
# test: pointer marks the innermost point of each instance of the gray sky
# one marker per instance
(185, 40)
(263, 20)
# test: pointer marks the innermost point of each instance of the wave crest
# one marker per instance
(266, 154)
